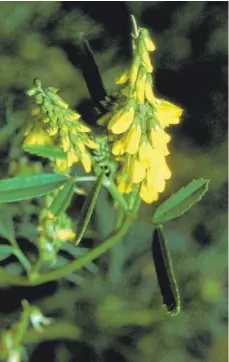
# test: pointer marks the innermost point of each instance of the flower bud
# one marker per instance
(140, 85)
(134, 69)
(150, 46)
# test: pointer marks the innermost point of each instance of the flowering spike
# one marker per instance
(63, 125)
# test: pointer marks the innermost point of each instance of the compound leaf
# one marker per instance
(181, 201)
(27, 187)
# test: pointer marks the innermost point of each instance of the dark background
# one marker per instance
(42, 39)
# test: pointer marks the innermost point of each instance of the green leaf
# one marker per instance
(27, 187)
(5, 251)
(6, 224)
(181, 201)
(46, 151)
(63, 199)
(88, 207)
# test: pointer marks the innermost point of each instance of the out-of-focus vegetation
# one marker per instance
(119, 309)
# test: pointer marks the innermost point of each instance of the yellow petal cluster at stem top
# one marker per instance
(141, 144)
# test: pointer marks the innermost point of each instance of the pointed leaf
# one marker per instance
(5, 251)
(63, 198)
(165, 275)
(6, 224)
(88, 207)
(27, 187)
(181, 201)
(46, 151)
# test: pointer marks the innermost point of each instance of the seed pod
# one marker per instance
(165, 275)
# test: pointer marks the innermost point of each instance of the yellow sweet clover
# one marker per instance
(140, 121)
(61, 125)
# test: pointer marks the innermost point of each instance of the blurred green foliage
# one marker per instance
(120, 310)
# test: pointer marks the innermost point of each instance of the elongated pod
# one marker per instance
(165, 275)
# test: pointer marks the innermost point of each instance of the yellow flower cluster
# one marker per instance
(142, 146)
(61, 125)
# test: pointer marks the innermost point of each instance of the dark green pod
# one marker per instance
(165, 275)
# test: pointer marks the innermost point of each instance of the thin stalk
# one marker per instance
(73, 266)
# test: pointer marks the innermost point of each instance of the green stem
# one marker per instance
(73, 266)
(117, 196)
(23, 259)
(135, 27)
(20, 255)
(116, 255)
(57, 331)
(85, 178)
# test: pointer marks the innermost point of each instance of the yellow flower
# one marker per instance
(91, 144)
(154, 182)
(118, 148)
(137, 172)
(124, 186)
(168, 113)
(159, 139)
(140, 87)
(121, 121)
(146, 60)
(38, 136)
(71, 157)
(132, 173)
(80, 146)
(65, 235)
(132, 139)
(124, 77)
(150, 46)
(73, 116)
(149, 92)
(146, 154)
(148, 194)
(52, 131)
(86, 161)
(134, 69)
(65, 143)
(82, 128)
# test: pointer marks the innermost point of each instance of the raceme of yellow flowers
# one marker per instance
(137, 123)
(57, 124)
(141, 142)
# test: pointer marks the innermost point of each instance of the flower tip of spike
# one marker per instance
(37, 82)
